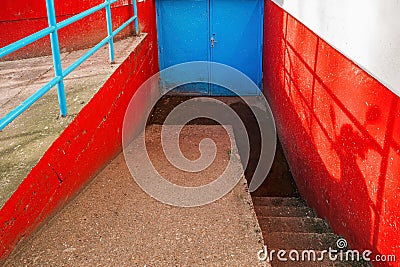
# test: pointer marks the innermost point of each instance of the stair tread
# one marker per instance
(300, 241)
(283, 211)
(278, 201)
(294, 224)
(287, 223)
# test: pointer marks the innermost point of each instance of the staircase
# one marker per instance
(289, 224)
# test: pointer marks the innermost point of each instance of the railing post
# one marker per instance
(55, 48)
(110, 31)
(137, 18)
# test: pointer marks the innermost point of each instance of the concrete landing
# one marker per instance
(25, 140)
(114, 223)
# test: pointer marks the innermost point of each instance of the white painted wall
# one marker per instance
(366, 31)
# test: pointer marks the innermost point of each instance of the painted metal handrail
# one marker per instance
(60, 74)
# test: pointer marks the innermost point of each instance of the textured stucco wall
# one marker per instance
(339, 128)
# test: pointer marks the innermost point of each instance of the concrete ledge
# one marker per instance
(92, 130)
(24, 141)
(115, 223)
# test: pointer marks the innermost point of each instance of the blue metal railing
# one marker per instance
(60, 74)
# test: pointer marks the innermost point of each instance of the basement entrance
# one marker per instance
(279, 182)
(286, 221)
(222, 31)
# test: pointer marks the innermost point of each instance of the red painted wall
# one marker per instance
(340, 129)
(88, 143)
(19, 19)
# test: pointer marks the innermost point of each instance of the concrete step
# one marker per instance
(308, 261)
(278, 201)
(294, 224)
(283, 211)
(289, 224)
(300, 241)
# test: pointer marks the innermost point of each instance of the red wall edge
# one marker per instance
(19, 19)
(340, 129)
(87, 144)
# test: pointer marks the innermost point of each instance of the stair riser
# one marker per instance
(278, 201)
(266, 211)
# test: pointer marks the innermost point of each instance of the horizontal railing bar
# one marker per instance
(84, 14)
(42, 33)
(28, 102)
(126, 23)
(25, 41)
(50, 30)
(93, 50)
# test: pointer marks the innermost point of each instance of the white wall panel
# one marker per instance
(366, 31)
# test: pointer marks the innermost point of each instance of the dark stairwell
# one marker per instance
(286, 221)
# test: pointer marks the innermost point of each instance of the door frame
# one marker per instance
(210, 50)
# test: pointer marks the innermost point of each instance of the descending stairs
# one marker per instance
(289, 224)
(286, 221)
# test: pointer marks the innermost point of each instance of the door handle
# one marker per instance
(213, 42)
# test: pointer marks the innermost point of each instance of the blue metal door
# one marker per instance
(223, 31)
(183, 36)
(236, 28)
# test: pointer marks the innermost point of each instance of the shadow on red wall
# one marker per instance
(340, 130)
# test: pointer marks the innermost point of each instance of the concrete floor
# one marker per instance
(114, 223)
(279, 182)
(24, 141)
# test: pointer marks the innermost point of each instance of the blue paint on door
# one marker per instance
(183, 36)
(185, 31)
(237, 27)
